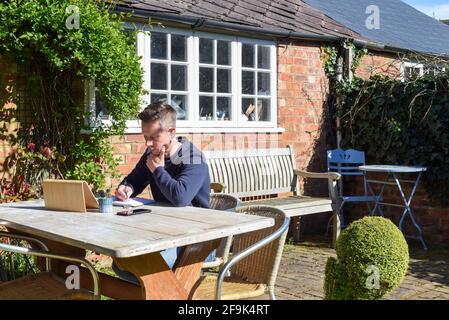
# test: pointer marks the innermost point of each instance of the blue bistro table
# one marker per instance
(392, 179)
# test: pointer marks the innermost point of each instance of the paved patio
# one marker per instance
(301, 273)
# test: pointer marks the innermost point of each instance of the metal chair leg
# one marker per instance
(272, 295)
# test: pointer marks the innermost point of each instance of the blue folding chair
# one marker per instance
(346, 163)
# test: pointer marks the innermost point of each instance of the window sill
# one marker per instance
(216, 130)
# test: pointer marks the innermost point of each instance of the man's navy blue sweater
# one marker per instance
(183, 181)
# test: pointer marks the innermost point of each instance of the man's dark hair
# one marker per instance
(159, 110)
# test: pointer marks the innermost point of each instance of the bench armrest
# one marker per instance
(332, 178)
(321, 175)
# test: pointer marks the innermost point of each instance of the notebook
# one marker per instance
(132, 202)
(68, 195)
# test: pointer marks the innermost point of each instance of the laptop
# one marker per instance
(68, 195)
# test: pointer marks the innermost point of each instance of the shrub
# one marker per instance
(372, 260)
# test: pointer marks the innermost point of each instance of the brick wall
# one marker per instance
(379, 63)
(129, 149)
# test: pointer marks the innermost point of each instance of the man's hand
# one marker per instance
(123, 192)
(156, 160)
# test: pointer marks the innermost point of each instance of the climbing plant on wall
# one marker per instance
(59, 45)
(400, 122)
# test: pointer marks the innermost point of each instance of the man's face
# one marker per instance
(155, 136)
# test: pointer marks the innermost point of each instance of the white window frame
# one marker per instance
(144, 51)
(194, 124)
(417, 65)
(273, 83)
(195, 120)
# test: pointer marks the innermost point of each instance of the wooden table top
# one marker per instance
(119, 236)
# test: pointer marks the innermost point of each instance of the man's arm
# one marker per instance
(181, 191)
(137, 179)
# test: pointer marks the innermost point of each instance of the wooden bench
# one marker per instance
(270, 177)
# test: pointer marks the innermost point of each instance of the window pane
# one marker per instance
(178, 48)
(263, 109)
(432, 71)
(101, 109)
(159, 76)
(412, 72)
(158, 97)
(206, 51)
(263, 83)
(223, 53)
(248, 55)
(179, 102)
(206, 79)
(224, 80)
(248, 109)
(158, 45)
(223, 108)
(206, 108)
(248, 82)
(179, 77)
(263, 57)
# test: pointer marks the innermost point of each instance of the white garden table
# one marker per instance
(135, 242)
(392, 172)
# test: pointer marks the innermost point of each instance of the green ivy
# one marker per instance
(330, 57)
(397, 122)
(55, 62)
(330, 54)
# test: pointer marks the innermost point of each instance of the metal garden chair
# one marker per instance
(43, 285)
(346, 163)
(227, 202)
(256, 257)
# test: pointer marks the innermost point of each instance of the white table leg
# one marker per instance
(407, 207)
(378, 198)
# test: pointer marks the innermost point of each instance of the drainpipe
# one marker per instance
(339, 76)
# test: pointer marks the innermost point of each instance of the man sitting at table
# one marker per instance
(174, 168)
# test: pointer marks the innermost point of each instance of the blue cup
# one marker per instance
(105, 205)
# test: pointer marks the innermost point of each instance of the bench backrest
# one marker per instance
(258, 172)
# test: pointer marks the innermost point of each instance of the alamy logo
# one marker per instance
(73, 280)
(372, 281)
(373, 20)
(73, 20)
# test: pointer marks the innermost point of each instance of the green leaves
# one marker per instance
(372, 247)
(56, 61)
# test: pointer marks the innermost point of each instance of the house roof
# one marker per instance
(401, 26)
(264, 16)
